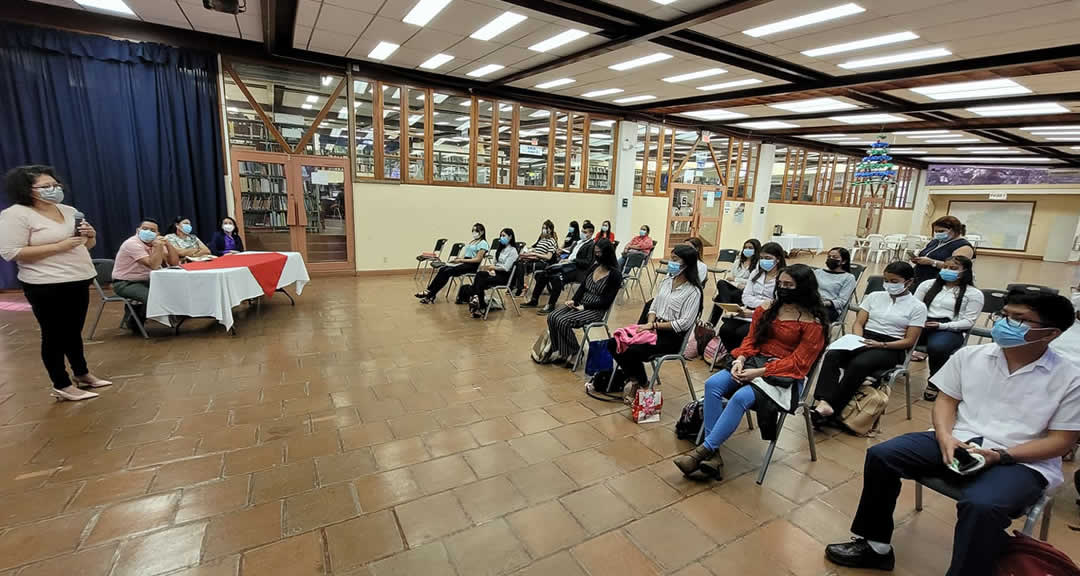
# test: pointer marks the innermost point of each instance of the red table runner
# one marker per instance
(266, 268)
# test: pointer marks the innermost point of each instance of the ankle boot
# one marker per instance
(713, 466)
(690, 462)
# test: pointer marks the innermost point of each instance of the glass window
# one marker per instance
(577, 142)
(245, 126)
(483, 142)
(391, 111)
(808, 175)
(665, 160)
(601, 154)
(364, 138)
(291, 98)
(506, 132)
(559, 169)
(684, 154)
(779, 172)
(450, 130)
(331, 135)
(533, 127)
(639, 157)
(650, 166)
(416, 120)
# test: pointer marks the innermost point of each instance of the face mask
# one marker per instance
(570, 231)
(147, 236)
(1008, 336)
(673, 269)
(185, 228)
(504, 240)
(833, 263)
(948, 275)
(228, 228)
(604, 228)
(475, 235)
(767, 265)
(748, 252)
(53, 194)
(895, 288)
(642, 233)
(785, 294)
(545, 232)
(941, 235)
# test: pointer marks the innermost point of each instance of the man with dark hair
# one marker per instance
(1015, 403)
(140, 254)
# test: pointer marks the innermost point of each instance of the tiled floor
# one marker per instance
(363, 433)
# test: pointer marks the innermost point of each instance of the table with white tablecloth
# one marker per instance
(791, 242)
(214, 293)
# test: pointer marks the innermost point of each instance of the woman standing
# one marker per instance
(759, 290)
(506, 255)
(184, 243)
(836, 282)
(953, 304)
(593, 298)
(948, 241)
(51, 246)
(226, 240)
(469, 262)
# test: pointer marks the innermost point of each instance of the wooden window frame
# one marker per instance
(517, 150)
(472, 144)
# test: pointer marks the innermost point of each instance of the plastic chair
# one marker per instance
(429, 257)
(727, 255)
(602, 323)
(631, 273)
(1031, 288)
(804, 405)
(497, 291)
(875, 247)
(891, 375)
(1043, 507)
(104, 269)
(894, 243)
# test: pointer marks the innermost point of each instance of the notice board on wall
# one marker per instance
(1000, 225)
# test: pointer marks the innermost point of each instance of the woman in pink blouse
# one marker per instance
(640, 243)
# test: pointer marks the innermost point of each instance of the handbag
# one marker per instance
(599, 358)
(690, 420)
(703, 335)
(714, 350)
(647, 405)
(541, 349)
(863, 413)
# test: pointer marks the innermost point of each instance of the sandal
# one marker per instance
(427, 300)
(421, 295)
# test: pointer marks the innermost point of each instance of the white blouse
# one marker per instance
(757, 292)
(944, 305)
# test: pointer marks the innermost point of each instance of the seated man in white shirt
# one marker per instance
(1014, 402)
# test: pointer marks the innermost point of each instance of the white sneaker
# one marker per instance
(74, 394)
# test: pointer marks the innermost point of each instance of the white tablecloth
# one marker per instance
(798, 242)
(213, 293)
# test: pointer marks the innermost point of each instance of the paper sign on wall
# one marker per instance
(710, 199)
(999, 195)
(727, 207)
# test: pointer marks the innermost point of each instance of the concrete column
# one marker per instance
(624, 181)
(762, 182)
(922, 201)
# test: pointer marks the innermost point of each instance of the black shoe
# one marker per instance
(545, 310)
(858, 554)
(817, 420)
(529, 304)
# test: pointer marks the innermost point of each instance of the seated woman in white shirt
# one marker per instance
(760, 289)
(729, 288)
(890, 323)
(953, 304)
(506, 255)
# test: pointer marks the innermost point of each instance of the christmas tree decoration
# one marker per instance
(876, 167)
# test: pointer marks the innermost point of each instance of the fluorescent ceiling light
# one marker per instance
(907, 151)
(1033, 128)
(860, 44)
(894, 58)
(466, 103)
(396, 94)
(424, 11)
(326, 80)
(714, 114)
(461, 119)
(805, 20)
(603, 123)
(1020, 109)
(638, 62)
(695, 75)
(954, 141)
(868, 119)
(558, 40)
(382, 50)
(825, 136)
(306, 106)
(110, 5)
(664, 2)
(974, 148)
(965, 90)
(921, 133)
(311, 99)
(540, 114)
(554, 83)
(932, 137)
(485, 70)
(767, 125)
(232, 110)
(969, 159)
(505, 107)
(630, 99)
(1057, 133)
(500, 24)
(604, 92)
(732, 84)
(436, 61)
(1074, 147)
(814, 105)
(1070, 139)
(994, 152)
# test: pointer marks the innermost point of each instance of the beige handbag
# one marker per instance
(541, 349)
(863, 413)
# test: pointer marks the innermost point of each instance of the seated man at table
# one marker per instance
(138, 255)
(1016, 403)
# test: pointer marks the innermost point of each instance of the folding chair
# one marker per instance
(434, 267)
(104, 269)
(873, 284)
(496, 292)
(891, 375)
(602, 323)
(658, 361)
(727, 255)
(1043, 507)
(635, 262)
(429, 257)
(804, 404)
(993, 301)
(1031, 288)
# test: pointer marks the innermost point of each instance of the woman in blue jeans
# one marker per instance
(788, 333)
(953, 304)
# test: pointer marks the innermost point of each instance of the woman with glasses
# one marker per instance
(953, 304)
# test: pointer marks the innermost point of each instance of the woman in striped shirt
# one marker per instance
(673, 312)
(593, 299)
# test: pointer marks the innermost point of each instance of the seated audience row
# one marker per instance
(593, 298)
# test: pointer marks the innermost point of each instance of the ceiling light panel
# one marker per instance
(860, 44)
(967, 90)
(1040, 128)
(767, 125)
(814, 105)
(604, 92)
(896, 58)
(953, 141)
(500, 24)
(714, 114)
(806, 20)
(918, 133)
(695, 75)
(868, 119)
(558, 40)
(1019, 109)
(382, 50)
(630, 99)
(639, 62)
(555, 83)
(485, 70)
(732, 84)
(424, 11)
(117, 6)
(436, 61)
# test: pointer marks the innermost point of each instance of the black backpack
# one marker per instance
(690, 421)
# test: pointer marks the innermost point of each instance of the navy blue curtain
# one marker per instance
(131, 128)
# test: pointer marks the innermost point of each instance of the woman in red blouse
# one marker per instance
(790, 333)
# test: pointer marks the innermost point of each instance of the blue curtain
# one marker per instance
(131, 128)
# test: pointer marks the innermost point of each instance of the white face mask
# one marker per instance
(228, 228)
(895, 288)
(475, 235)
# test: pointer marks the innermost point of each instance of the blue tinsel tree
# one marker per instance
(876, 167)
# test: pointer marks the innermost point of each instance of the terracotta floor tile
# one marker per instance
(628, 453)
(694, 569)
(541, 482)
(362, 435)
(616, 426)
(450, 441)
(111, 488)
(489, 499)
(746, 495)
(91, 562)
(673, 477)
(494, 430)
(662, 440)
(333, 418)
(180, 407)
(283, 392)
(188, 472)
(318, 508)
(284, 427)
(276, 483)
(35, 505)
(379, 410)
(162, 452)
(386, 489)
(143, 433)
(256, 413)
(598, 509)
(297, 556)
(442, 474)
(561, 564)
(428, 560)
(716, 517)
(213, 498)
(825, 523)
(400, 453)
(460, 415)
(793, 485)
(825, 471)
(255, 458)
(228, 439)
(538, 447)
(31, 542)
(229, 566)
(299, 448)
(669, 539)
(335, 468)
(546, 528)
(644, 490)
(362, 540)
(199, 424)
(242, 529)
(578, 435)
(94, 464)
(134, 516)
(800, 555)
(429, 518)
(587, 466)
(495, 407)
(409, 425)
(488, 550)
(533, 421)
(161, 551)
(570, 412)
(613, 555)
(494, 459)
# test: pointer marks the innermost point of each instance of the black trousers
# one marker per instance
(990, 498)
(523, 268)
(60, 310)
(446, 273)
(485, 280)
(554, 277)
(632, 360)
(732, 332)
(856, 365)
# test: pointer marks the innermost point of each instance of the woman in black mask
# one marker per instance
(836, 282)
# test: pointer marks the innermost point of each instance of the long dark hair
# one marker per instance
(480, 228)
(775, 250)
(513, 241)
(550, 226)
(235, 230)
(805, 296)
(574, 235)
(965, 279)
(757, 253)
(176, 223)
(609, 234)
(845, 258)
(19, 182)
(689, 257)
(607, 257)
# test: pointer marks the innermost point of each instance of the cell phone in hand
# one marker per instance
(965, 462)
(79, 219)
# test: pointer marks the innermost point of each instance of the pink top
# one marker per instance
(127, 265)
(22, 226)
(639, 242)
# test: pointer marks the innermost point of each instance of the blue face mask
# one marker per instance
(1006, 335)
(504, 240)
(941, 236)
(147, 236)
(642, 233)
(748, 252)
(673, 269)
(186, 228)
(767, 265)
(948, 275)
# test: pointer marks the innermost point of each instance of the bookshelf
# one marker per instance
(263, 196)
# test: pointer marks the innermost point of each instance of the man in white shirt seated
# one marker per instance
(1014, 402)
(1068, 344)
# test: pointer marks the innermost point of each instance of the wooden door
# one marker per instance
(324, 223)
(709, 215)
(263, 200)
(682, 213)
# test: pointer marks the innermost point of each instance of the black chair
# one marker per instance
(993, 301)
(429, 257)
(1031, 288)
(727, 255)
(104, 269)
(875, 283)
(434, 266)
(857, 270)
(631, 272)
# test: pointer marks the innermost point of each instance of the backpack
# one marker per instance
(1025, 556)
(690, 421)
(862, 413)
